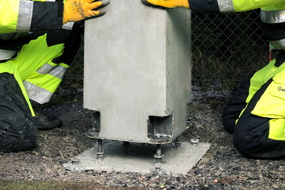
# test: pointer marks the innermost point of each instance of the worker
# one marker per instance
(256, 112)
(38, 40)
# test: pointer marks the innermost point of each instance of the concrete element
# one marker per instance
(138, 72)
(136, 157)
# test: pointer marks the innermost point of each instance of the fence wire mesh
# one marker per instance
(77, 66)
(225, 49)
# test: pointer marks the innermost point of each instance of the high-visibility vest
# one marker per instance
(37, 76)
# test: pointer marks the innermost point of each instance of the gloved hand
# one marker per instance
(76, 10)
(167, 3)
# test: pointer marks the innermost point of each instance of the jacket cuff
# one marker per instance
(204, 6)
(47, 15)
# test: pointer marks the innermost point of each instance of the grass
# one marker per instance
(46, 185)
(53, 185)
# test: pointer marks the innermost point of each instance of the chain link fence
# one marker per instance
(77, 66)
(225, 49)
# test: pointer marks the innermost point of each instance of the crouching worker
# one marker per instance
(38, 41)
(256, 112)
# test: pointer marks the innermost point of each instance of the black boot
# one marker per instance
(44, 123)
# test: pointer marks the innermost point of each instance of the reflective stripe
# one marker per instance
(6, 54)
(68, 26)
(226, 5)
(25, 15)
(279, 44)
(56, 71)
(45, 69)
(37, 93)
(270, 17)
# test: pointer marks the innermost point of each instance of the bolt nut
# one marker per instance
(75, 160)
(194, 141)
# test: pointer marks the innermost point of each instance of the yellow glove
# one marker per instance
(76, 10)
(167, 3)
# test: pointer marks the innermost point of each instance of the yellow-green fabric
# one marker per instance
(272, 103)
(9, 10)
(29, 59)
(275, 7)
(277, 129)
(259, 78)
(245, 5)
(262, 76)
(34, 55)
(46, 81)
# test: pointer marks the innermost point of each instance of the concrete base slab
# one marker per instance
(136, 157)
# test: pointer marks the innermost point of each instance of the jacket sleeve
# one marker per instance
(26, 15)
(217, 6)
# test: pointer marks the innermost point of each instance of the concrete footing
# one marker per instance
(136, 157)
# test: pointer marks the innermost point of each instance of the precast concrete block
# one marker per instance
(137, 72)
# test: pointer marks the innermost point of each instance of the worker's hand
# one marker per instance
(167, 3)
(76, 10)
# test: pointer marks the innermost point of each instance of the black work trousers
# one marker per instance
(18, 128)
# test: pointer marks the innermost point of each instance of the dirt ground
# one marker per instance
(221, 168)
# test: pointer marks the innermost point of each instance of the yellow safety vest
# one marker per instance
(272, 105)
(39, 80)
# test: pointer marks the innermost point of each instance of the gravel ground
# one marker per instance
(222, 167)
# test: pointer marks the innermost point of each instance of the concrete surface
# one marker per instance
(136, 157)
(137, 71)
